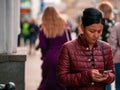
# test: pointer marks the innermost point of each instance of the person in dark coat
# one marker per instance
(108, 20)
(82, 63)
(33, 29)
(53, 33)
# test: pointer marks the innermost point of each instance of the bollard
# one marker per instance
(8, 86)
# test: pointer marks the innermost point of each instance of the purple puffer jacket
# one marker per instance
(75, 64)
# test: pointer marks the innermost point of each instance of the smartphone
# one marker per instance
(107, 71)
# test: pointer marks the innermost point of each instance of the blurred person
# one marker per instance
(54, 32)
(81, 65)
(78, 28)
(107, 8)
(24, 32)
(114, 41)
(20, 35)
(117, 16)
(33, 35)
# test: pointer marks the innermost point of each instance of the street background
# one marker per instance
(33, 9)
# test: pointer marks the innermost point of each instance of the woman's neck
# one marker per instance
(91, 46)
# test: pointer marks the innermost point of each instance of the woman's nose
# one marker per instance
(96, 35)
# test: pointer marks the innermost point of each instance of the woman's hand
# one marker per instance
(105, 75)
(97, 76)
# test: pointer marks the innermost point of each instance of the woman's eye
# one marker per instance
(92, 31)
(99, 31)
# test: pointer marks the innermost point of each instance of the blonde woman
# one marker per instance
(54, 31)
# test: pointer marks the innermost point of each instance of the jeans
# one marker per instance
(108, 87)
(117, 80)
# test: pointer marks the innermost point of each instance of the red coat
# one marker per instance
(74, 66)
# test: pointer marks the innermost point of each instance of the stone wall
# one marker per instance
(12, 68)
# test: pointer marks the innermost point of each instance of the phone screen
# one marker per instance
(107, 71)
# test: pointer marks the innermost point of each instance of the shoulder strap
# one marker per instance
(67, 35)
(101, 48)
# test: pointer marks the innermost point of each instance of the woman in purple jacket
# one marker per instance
(54, 32)
(86, 63)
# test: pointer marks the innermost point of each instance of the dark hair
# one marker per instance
(91, 16)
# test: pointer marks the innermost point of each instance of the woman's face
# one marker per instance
(92, 32)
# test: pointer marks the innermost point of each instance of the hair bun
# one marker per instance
(91, 16)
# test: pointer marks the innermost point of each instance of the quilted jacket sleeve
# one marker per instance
(109, 65)
(65, 76)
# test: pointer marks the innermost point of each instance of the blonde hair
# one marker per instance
(107, 8)
(52, 23)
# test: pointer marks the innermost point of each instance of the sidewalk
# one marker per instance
(32, 69)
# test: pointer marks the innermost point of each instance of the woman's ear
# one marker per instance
(82, 27)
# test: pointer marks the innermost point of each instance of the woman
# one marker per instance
(107, 8)
(81, 64)
(52, 35)
(114, 41)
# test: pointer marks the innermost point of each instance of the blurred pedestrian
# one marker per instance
(114, 41)
(33, 35)
(20, 35)
(116, 16)
(78, 28)
(108, 21)
(54, 32)
(83, 61)
(24, 32)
